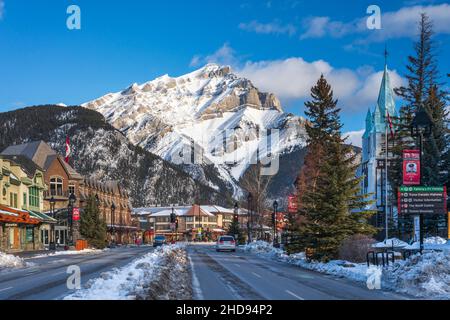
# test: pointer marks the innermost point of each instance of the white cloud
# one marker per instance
(293, 78)
(225, 55)
(2, 9)
(354, 138)
(394, 24)
(268, 28)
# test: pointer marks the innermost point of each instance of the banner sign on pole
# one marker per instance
(422, 200)
(292, 204)
(76, 214)
(411, 167)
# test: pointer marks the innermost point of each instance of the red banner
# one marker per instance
(292, 204)
(411, 167)
(76, 214)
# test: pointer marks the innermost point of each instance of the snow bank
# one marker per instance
(426, 276)
(68, 253)
(128, 282)
(11, 261)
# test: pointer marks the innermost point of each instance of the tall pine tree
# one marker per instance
(332, 207)
(423, 89)
(92, 226)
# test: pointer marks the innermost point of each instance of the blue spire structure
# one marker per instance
(386, 95)
(385, 102)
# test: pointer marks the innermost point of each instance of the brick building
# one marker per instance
(115, 208)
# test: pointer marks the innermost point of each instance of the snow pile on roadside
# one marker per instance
(265, 249)
(132, 281)
(426, 275)
(11, 261)
(68, 253)
(435, 240)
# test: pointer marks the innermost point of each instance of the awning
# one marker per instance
(42, 216)
(11, 215)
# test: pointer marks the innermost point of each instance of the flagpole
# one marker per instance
(386, 179)
(386, 116)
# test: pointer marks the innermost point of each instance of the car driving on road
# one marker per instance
(226, 243)
(159, 241)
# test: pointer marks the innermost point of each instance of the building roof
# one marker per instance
(41, 154)
(217, 209)
(27, 165)
(167, 213)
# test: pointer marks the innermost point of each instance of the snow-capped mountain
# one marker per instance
(210, 121)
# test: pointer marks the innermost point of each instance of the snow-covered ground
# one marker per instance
(134, 280)
(426, 276)
(10, 261)
(68, 252)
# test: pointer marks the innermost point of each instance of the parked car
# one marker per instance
(159, 241)
(226, 243)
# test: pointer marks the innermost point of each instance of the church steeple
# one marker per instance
(386, 95)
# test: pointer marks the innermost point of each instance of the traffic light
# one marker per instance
(176, 223)
(236, 218)
(173, 217)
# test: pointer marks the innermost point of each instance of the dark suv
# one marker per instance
(159, 241)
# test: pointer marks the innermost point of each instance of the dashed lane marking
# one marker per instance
(256, 275)
(4, 289)
(294, 295)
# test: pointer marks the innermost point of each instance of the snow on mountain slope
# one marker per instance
(208, 118)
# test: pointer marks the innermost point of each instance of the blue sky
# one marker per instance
(281, 45)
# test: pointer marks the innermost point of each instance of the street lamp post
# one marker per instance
(274, 221)
(249, 217)
(236, 218)
(113, 221)
(421, 127)
(52, 202)
(72, 200)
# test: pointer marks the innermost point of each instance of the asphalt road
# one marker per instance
(46, 280)
(243, 276)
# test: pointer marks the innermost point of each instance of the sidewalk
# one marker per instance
(30, 254)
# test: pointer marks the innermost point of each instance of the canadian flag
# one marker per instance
(391, 125)
(68, 150)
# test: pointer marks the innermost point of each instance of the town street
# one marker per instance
(240, 275)
(46, 280)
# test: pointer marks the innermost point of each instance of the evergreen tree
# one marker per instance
(332, 207)
(235, 229)
(423, 89)
(92, 227)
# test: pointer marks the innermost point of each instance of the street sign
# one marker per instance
(76, 214)
(422, 200)
(411, 167)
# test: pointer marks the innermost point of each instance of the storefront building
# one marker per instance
(21, 203)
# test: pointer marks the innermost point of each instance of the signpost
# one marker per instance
(422, 200)
(411, 167)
